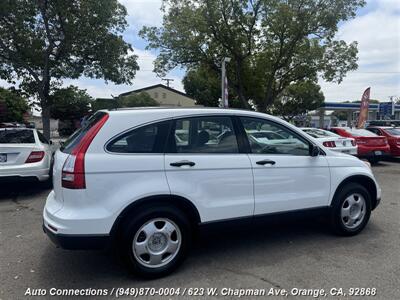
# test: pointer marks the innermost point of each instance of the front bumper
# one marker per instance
(78, 242)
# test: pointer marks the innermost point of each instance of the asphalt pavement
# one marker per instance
(287, 254)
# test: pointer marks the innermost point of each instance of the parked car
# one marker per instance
(393, 136)
(370, 145)
(24, 154)
(332, 140)
(124, 180)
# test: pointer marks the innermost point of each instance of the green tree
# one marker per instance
(45, 41)
(13, 106)
(297, 99)
(70, 103)
(137, 100)
(104, 103)
(203, 85)
(272, 43)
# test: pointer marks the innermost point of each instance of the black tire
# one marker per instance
(337, 222)
(133, 224)
(373, 160)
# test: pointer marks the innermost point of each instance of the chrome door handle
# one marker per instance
(265, 162)
(182, 163)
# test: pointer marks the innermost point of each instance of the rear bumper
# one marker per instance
(372, 154)
(78, 242)
(368, 152)
(24, 173)
(347, 150)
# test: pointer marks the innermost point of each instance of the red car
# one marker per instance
(370, 145)
(393, 136)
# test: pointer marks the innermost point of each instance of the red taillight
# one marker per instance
(330, 144)
(35, 156)
(73, 172)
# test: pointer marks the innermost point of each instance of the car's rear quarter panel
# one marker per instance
(115, 180)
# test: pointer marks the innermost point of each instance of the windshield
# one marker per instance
(77, 136)
(318, 133)
(360, 132)
(16, 136)
(393, 131)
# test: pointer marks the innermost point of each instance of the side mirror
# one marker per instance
(314, 150)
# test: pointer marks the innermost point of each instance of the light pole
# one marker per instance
(224, 83)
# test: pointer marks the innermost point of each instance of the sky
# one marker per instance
(376, 29)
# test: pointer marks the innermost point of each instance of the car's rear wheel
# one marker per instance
(351, 209)
(155, 241)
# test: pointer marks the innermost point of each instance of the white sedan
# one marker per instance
(24, 154)
(333, 141)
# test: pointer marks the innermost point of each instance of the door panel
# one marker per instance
(286, 177)
(293, 182)
(204, 165)
(220, 185)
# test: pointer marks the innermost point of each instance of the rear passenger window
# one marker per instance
(147, 139)
(204, 135)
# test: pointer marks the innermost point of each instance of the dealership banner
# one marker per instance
(362, 118)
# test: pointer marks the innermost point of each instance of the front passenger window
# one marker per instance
(266, 137)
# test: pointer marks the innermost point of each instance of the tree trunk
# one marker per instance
(240, 88)
(46, 120)
(45, 103)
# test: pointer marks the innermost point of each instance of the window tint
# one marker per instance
(393, 131)
(267, 137)
(77, 136)
(204, 135)
(318, 133)
(16, 136)
(42, 139)
(360, 132)
(147, 139)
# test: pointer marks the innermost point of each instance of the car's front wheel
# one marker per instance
(155, 241)
(351, 209)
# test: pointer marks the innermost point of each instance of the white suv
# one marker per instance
(145, 179)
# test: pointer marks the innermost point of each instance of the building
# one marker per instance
(353, 110)
(165, 96)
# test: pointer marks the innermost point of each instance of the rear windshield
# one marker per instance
(360, 132)
(16, 136)
(77, 136)
(318, 133)
(393, 131)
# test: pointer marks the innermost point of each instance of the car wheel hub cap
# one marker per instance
(353, 210)
(156, 243)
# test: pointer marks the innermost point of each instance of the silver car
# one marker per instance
(24, 153)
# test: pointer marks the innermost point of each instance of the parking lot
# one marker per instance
(290, 254)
